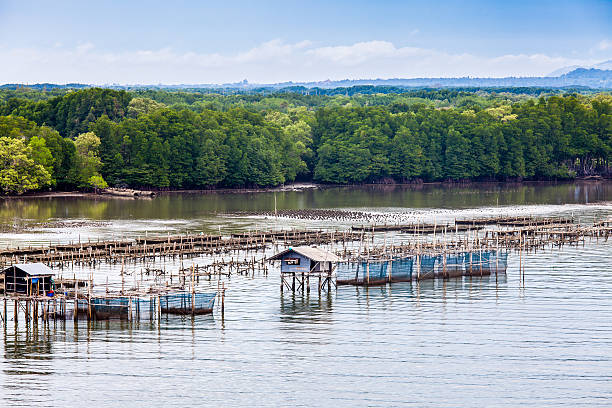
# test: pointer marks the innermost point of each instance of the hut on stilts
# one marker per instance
(299, 264)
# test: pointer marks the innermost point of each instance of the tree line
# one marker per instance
(93, 138)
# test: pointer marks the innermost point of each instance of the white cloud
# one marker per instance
(272, 61)
(604, 45)
(356, 53)
(85, 47)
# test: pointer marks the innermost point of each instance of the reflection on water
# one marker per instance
(28, 364)
(189, 206)
(299, 306)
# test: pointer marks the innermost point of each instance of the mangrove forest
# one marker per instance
(65, 139)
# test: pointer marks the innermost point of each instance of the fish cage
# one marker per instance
(143, 307)
(455, 265)
(362, 273)
(187, 303)
(374, 272)
(485, 262)
(117, 307)
(379, 272)
(401, 269)
(123, 307)
(427, 265)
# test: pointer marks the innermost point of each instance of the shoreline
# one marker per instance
(293, 187)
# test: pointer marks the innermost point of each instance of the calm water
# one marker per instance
(466, 342)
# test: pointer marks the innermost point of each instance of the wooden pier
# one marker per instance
(142, 249)
(462, 249)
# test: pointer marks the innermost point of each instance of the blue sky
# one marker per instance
(273, 41)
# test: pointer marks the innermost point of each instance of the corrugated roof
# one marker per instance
(313, 253)
(34, 269)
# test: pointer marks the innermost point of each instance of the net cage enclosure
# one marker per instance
(145, 307)
(407, 268)
(188, 303)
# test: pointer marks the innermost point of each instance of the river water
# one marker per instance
(461, 342)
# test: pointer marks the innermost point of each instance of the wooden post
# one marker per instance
(520, 257)
(35, 310)
(89, 312)
(192, 291)
(523, 273)
(192, 303)
(76, 300)
(159, 308)
(480, 259)
(496, 254)
(470, 261)
(444, 263)
(223, 300)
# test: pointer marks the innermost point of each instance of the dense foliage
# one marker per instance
(94, 137)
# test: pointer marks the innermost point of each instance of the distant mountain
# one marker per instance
(46, 86)
(592, 78)
(606, 65)
(563, 71)
(596, 78)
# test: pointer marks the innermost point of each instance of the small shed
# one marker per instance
(302, 262)
(28, 279)
(305, 260)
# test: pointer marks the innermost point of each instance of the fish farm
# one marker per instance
(35, 282)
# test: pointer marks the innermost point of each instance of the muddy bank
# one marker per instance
(22, 227)
(63, 194)
(140, 194)
(282, 188)
(129, 194)
(314, 214)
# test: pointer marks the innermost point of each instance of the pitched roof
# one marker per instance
(313, 253)
(34, 269)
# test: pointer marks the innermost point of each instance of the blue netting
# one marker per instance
(118, 307)
(428, 266)
(142, 307)
(185, 302)
(111, 305)
(402, 268)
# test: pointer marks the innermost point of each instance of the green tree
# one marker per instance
(97, 182)
(19, 171)
(143, 106)
(87, 147)
(406, 156)
(457, 156)
(41, 153)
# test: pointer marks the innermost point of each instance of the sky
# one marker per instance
(200, 42)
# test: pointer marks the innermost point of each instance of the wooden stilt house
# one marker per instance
(299, 264)
(28, 279)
